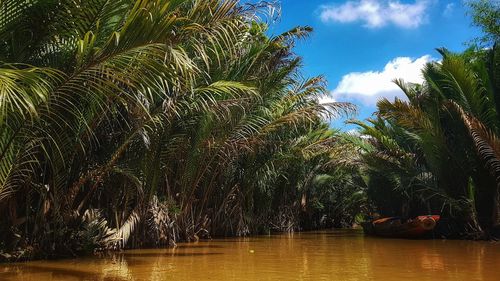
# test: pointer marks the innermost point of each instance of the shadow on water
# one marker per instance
(58, 272)
(170, 254)
(224, 241)
(347, 233)
(199, 246)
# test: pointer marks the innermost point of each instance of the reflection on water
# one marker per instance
(338, 255)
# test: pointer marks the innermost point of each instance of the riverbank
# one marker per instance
(22, 255)
(326, 255)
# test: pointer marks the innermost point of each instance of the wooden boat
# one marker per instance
(396, 227)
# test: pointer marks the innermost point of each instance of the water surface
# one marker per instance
(336, 255)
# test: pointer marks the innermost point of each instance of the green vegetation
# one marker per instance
(486, 15)
(438, 151)
(141, 123)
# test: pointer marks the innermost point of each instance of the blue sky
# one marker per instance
(361, 45)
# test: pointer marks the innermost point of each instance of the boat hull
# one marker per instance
(394, 227)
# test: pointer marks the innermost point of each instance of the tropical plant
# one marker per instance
(437, 151)
(141, 122)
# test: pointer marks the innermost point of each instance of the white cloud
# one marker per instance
(326, 99)
(369, 87)
(448, 11)
(378, 13)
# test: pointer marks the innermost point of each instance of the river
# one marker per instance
(331, 255)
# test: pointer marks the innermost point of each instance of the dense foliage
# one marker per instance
(134, 123)
(438, 150)
(131, 123)
(486, 16)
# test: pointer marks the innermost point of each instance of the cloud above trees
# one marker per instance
(378, 13)
(368, 87)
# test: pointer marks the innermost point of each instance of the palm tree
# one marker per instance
(448, 128)
(141, 122)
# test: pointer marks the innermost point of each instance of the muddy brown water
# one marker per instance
(332, 255)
